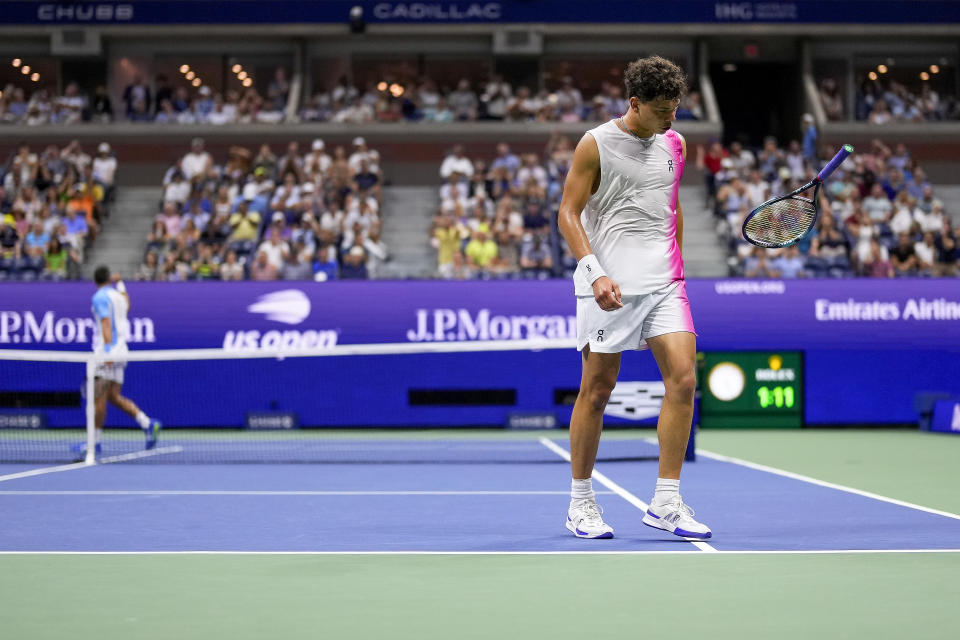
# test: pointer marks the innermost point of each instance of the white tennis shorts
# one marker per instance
(112, 371)
(641, 317)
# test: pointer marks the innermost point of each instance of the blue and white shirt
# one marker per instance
(110, 303)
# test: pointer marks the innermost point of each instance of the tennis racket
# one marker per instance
(782, 221)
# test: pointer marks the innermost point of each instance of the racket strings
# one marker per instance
(782, 222)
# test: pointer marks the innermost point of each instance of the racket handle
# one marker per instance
(845, 151)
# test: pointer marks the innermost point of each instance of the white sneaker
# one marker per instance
(677, 518)
(585, 520)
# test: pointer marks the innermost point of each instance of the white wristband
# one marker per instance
(119, 286)
(590, 268)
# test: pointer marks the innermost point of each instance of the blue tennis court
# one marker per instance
(444, 507)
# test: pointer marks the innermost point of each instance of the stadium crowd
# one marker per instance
(879, 215)
(161, 102)
(52, 205)
(497, 216)
(882, 101)
(418, 100)
(261, 216)
(422, 100)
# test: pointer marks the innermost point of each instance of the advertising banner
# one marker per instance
(728, 314)
(507, 11)
(868, 347)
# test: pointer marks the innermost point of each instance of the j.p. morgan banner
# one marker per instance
(728, 314)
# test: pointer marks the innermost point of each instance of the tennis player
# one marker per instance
(110, 306)
(620, 217)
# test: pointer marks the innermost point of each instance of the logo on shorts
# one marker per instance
(600, 335)
(670, 165)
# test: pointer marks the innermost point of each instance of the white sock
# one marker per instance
(99, 433)
(666, 489)
(143, 420)
(582, 489)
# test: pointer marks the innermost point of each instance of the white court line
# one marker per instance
(41, 471)
(136, 455)
(822, 483)
(785, 552)
(80, 465)
(187, 492)
(617, 489)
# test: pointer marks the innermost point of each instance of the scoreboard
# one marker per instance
(751, 389)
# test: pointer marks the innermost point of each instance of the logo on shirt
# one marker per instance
(290, 306)
(600, 335)
(670, 165)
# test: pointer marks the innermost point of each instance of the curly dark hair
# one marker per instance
(654, 77)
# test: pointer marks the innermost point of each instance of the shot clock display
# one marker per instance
(751, 389)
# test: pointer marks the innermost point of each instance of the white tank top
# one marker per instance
(631, 221)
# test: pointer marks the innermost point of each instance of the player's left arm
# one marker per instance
(683, 143)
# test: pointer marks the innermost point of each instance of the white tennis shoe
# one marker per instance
(585, 520)
(677, 518)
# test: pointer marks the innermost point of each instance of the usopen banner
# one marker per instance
(728, 314)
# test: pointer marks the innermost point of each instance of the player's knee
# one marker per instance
(598, 395)
(683, 385)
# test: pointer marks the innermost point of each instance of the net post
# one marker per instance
(90, 412)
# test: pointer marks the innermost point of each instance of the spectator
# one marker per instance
(757, 266)
(105, 169)
(197, 162)
(831, 100)
(926, 252)
(535, 253)
(206, 266)
(177, 191)
(56, 260)
(245, 224)
(463, 102)
(262, 268)
(903, 257)
(354, 264)
(456, 164)
(325, 266)
(878, 205)
(297, 265)
(150, 269)
(231, 269)
(948, 253)
(76, 230)
(275, 247)
(877, 262)
(480, 252)
(446, 240)
(279, 90)
(495, 98)
(789, 264)
(376, 249)
(136, 92)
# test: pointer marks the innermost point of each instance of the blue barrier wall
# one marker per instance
(869, 345)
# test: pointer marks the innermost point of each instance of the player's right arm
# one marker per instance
(582, 180)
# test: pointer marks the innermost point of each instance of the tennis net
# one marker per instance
(349, 404)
